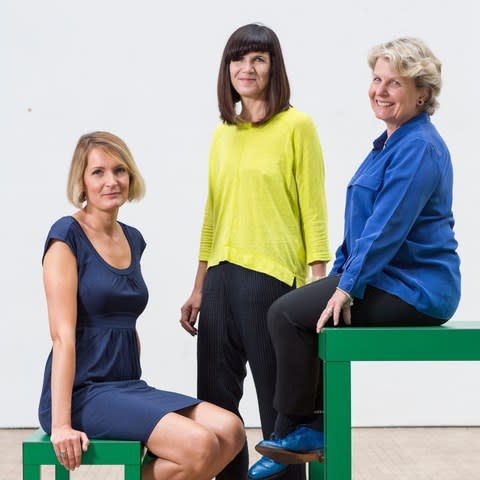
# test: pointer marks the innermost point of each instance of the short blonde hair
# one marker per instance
(410, 57)
(114, 146)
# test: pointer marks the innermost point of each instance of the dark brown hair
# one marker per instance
(253, 38)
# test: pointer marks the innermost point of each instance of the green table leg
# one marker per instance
(132, 472)
(61, 473)
(31, 472)
(337, 421)
(315, 471)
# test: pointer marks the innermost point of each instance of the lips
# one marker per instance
(381, 103)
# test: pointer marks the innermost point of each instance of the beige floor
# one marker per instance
(378, 454)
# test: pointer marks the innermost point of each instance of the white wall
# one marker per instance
(146, 70)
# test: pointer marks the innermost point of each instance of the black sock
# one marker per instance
(285, 424)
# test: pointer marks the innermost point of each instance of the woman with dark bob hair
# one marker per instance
(397, 264)
(265, 222)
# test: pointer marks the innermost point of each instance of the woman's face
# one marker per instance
(106, 181)
(250, 75)
(394, 99)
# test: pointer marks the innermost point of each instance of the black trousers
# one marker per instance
(292, 321)
(232, 331)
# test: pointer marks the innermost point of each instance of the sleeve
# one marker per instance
(137, 237)
(206, 238)
(61, 230)
(310, 180)
(408, 183)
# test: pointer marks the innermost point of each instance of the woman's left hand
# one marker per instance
(339, 303)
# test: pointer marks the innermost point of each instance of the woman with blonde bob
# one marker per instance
(397, 264)
(95, 293)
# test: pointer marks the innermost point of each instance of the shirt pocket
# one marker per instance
(372, 182)
(362, 193)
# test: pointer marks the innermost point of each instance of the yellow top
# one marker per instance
(266, 207)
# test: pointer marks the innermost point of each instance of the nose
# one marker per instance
(110, 178)
(247, 66)
(382, 89)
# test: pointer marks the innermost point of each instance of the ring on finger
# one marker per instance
(62, 454)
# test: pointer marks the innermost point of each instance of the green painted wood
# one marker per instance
(37, 450)
(31, 472)
(452, 341)
(338, 347)
(61, 473)
(315, 471)
(337, 421)
(132, 472)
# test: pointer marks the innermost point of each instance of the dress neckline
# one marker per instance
(97, 254)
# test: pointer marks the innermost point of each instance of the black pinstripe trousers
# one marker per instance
(232, 331)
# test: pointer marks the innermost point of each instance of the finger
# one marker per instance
(189, 328)
(61, 454)
(185, 314)
(69, 463)
(347, 315)
(77, 454)
(322, 321)
(85, 441)
(336, 317)
(193, 315)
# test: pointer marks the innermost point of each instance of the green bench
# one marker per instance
(38, 451)
(338, 347)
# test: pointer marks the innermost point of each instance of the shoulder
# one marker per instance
(134, 235)
(64, 230)
(296, 119)
(296, 124)
(426, 138)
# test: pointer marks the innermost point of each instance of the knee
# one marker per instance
(232, 433)
(201, 452)
(276, 316)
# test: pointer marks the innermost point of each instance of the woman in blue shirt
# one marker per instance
(397, 264)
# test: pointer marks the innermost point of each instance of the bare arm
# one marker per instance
(191, 307)
(319, 270)
(60, 282)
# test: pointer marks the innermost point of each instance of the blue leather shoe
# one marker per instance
(301, 446)
(266, 468)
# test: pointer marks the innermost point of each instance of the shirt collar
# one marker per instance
(420, 119)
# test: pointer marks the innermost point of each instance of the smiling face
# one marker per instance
(106, 181)
(394, 99)
(250, 75)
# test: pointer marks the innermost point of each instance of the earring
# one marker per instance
(420, 102)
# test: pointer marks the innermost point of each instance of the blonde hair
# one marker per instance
(410, 57)
(111, 144)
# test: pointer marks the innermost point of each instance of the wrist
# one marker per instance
(349, 301)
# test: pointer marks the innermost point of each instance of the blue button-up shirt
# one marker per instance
(399, 223)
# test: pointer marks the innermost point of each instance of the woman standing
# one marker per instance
(265, 222)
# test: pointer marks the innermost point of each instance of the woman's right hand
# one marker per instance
(68, 445)
(189, 313)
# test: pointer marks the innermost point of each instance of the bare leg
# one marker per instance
(194, 444)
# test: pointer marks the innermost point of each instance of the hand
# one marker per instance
(68, 445)
(339, 303)
(189, 313)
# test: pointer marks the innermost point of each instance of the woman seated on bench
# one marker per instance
(397, 264)
(95, 293)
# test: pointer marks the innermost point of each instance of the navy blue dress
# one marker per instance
(109, 400)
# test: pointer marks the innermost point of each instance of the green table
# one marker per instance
(338, 347)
